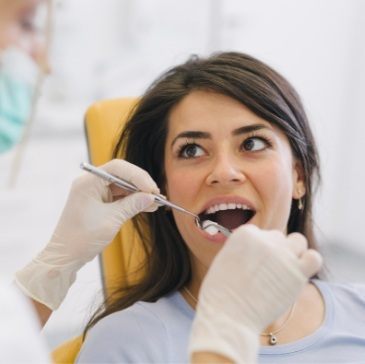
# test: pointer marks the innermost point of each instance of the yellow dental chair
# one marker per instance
(120, 261)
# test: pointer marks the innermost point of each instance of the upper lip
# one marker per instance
(225, 200)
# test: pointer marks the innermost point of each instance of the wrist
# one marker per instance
(46, 283)
(223, 336)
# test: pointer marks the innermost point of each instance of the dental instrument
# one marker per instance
(209, 226)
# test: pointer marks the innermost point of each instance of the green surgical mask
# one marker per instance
(17, 79)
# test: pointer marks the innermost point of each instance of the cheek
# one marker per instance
(276, 179)
(274, 184)
(181, 185)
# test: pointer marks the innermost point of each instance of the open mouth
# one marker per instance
(230, 215)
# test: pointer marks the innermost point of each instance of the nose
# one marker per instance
(40, 55)
(226, 171)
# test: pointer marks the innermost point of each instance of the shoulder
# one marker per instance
(346, 297)
(140, 333)
(350, 291)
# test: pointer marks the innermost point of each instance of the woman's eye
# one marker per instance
(254, 144)
(191, 151)
(27, 25)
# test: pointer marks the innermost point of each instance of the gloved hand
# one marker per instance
(90, 220)
(252, 281)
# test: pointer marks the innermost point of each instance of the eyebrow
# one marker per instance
(192, 134)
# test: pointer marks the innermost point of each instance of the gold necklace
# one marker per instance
(190, 295)
(272, 335)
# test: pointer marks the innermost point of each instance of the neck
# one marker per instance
(198, 274)
(307, 317)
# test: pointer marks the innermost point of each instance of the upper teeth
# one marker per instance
(226, 206)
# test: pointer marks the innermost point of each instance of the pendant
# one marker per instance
(272, 340)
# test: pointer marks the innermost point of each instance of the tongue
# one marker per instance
(230, 219)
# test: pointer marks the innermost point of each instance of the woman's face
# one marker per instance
(18, 27)
(226, 164)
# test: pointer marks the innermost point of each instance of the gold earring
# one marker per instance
(300, 204)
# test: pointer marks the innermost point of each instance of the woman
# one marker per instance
(227, 138)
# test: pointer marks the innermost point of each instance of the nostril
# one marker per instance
(229, 176)
(225, 181)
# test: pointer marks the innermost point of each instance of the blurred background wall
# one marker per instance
(113, 48)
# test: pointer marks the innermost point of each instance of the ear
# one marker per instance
(299, 189)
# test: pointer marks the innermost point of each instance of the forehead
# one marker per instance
(206, 110)
(29, 8)
(19, 5)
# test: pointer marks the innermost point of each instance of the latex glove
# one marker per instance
(253, 280)
(89, 221)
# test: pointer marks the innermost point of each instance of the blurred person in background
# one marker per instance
(22, 54)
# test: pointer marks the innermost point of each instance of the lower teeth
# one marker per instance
(210, 229)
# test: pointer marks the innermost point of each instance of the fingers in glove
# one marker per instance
(117, 192)
(297, 243)
(310, 262)
(133, 204)
(131, 173)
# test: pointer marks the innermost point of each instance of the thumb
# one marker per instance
(310, 262)
(133, 204)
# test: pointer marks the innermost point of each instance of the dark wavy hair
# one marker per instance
(243, 78)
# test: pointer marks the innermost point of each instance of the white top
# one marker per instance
(159, 332)
(20, 340)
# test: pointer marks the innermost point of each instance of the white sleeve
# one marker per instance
(20, 339)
